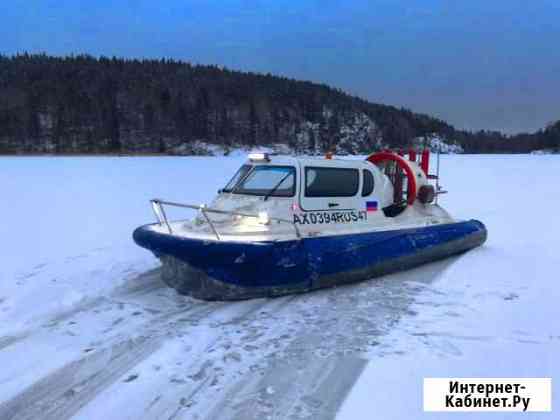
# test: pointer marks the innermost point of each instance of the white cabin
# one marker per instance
(311, 196)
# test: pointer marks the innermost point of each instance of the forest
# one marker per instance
(88, 105)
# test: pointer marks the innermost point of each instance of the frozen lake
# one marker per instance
(87, 330)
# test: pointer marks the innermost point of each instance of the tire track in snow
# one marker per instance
(314, 392)
(63, 392)
(200, 371)
(248, 351)
(200, 390)
(203, 372)
(11, 339)
(144, 283)
(311, 376)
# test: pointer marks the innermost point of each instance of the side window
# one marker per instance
(367, 188)
(331, 182)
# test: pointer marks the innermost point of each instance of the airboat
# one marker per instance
(294, 224)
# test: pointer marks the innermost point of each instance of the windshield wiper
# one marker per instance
(241, 180)
(273, 189)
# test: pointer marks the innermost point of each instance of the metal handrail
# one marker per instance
(157, 206)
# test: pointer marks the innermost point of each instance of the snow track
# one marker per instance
(61, 393)
(176, 357)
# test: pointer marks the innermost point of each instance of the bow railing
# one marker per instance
(159, 211)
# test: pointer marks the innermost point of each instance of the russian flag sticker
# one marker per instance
(371, 205)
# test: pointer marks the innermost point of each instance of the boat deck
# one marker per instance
(282, 232)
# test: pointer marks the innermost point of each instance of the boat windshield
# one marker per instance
(265, 180)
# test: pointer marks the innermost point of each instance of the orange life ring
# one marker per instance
(379, 157)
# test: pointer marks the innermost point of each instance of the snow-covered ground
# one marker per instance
(88, 330)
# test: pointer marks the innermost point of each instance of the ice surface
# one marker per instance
(88, 330)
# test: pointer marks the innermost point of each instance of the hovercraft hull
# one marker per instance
(223, 270)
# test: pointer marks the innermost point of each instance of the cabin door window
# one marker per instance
(330, 189)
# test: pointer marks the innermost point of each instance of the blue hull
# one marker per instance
(215, 270)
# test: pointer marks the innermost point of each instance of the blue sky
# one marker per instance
(490, 64)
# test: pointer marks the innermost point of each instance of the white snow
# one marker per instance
(436, 143)
(86, 327)
(543, 152)
(67, 225)
(490, 313)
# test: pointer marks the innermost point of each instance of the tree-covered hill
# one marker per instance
(82, 104)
